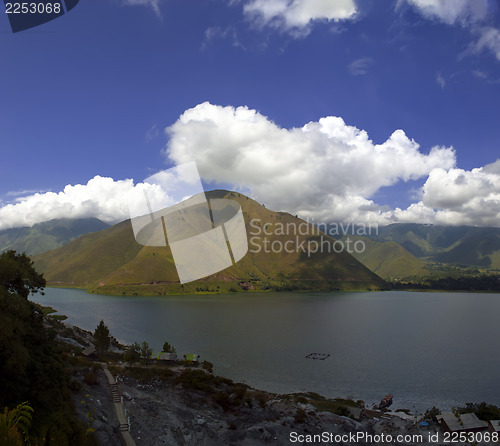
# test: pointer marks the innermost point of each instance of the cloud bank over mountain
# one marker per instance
(325, 170)
(329, 170)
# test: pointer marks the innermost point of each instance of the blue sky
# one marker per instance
(253, 90)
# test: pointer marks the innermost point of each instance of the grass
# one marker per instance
(336, 406)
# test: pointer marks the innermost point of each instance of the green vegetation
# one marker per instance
(480, 282)
(337, 406)
(15, 425)
(132, 353)
(17, 275)
(431, 414)
(458, 245)
(112, 262)
(146, 352)
(32, 368)
(102, 339)
(386, 259)
(483, 411)
(145, 375)
(167, 348)
(43, 237)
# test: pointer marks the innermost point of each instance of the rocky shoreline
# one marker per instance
(162, 411)
(177, 403)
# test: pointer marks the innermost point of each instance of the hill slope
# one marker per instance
(112, 262)
(387, 259)
(49, 235)
(465, 245)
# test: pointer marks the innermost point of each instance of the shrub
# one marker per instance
(300, 416)
(208, 366)
(90, 377)
(75, 385)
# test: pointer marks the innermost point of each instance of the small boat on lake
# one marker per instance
(386, 401)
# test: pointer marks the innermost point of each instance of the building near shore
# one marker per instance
(89, 351)
(466, 422)
(494, 426)
(167, 356)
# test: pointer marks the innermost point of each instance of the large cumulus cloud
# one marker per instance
(325, 169)
(101, 197)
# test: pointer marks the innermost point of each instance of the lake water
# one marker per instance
(426, 349)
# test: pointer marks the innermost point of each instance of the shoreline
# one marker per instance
(297, 291)
(179, 404)
(170, 401)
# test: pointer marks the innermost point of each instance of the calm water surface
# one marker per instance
(427, 349)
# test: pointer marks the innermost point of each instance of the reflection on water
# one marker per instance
(425, 348)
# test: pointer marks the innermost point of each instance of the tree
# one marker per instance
(18, 276)
(102, 339)
(167, 348)
(132, 353)
(32, 367)
(146, 352)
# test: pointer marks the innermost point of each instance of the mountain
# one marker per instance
(45, 236)
(388, 260)
(112, 262)
(463, 245)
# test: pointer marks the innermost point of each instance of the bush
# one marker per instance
(431, 414)
(196, 380)
(148, 374)
(223, 400)
(300, 416)
(75, 385)
(90, 377)
(483, 411)
(208, 366)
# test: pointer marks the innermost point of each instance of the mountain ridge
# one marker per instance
(47, 235)
(112, 262)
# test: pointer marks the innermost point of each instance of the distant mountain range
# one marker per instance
(112, 262)
(49, 235)
(388, 260)
(459, 245)
(87, 253)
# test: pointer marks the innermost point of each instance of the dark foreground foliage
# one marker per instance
(32, 368)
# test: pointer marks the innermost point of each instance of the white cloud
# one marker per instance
(452, 11)
(101, 197)
(214, 33)
(471, 14)
(440, 80)
(154, 4)
(297, 15)
(360, 67)
(152, 133)
(456, 197)
(325, 169)
(489, 38)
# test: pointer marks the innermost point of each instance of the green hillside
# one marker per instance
(460, 245)
(49, 235)
(387, 259)
(112, 262)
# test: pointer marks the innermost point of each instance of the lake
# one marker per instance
(427, 349)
